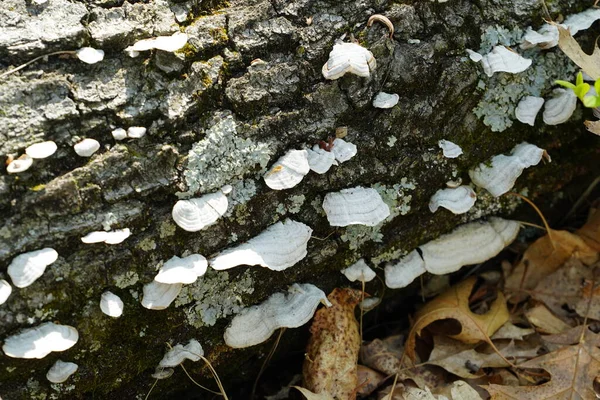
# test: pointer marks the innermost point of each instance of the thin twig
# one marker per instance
(20, 67)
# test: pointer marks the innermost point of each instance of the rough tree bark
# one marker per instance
(189, 97)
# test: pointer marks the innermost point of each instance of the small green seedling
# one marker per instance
(581, 90)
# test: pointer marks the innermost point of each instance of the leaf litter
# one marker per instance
(534, 337)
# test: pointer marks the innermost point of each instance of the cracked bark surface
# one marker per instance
(279, 104)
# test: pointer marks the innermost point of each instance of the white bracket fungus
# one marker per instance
(254, 325)
(582, 21)
(119, 134)
(342, 150)
(89, 55)
(560, 108)
(136, 132)
(178, 354)
(349, 57)
(27, 267)
(182, 270)
(111, 304)
(405, 271)
(61, 371)
(355, 206)
(288, 171)
(545, 38)
(528, 108)
(111, 237)
(320, 160)
(158, 296)
(5, 290)
(86, 147)
(41, 150)
(385, 100)
(501, 176)
(162, 373)
(40, 341)
(19, 165)
(359, 271)
(193, 215)
(468, 244)
(279, 247)
(458, 200)
(501, 59)
(449, 149)
(474, 56)
(166, 43)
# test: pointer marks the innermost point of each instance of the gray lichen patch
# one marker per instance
(222, 156)
(503, 91)
(214, 296)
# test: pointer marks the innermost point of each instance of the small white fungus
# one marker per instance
(41, 150)
(86, 147)
(90, 55)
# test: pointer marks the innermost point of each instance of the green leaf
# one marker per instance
(581, 90)
(579, 79)
(565, 84)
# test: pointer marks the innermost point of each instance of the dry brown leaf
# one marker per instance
(544, 256)
(462, 359)
(573, 336)
(562, 287)
(511, 331)
(383, 355)
(592, 126)
(590, 64)
(461, 390)
(368, 380)
(313, 396)
(590, 232)
(454, 304)
(332, 351)
(545, 321)
(572, 370)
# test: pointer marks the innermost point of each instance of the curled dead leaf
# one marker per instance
(332, 351)
(454, 304)
(589, 63)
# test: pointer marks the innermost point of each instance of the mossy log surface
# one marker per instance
(278, 104)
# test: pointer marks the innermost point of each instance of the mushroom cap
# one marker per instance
(25, 268)
(111, 304)
(458, 200)
(279, 247)
(355, 206)
(39, 341)
(41, 150)
(61, 371)
(359, 271)
(86, 147)
(20, 164)
(342, 150)
(179, 353)
(348, 57)
(89, 55)
(193, 215)
(5, 290)
(136, 132)
(449, 149)
(182, 270)
(288, 171)
(255, 324)
(158, 296)
(385, 100)
(119, 134)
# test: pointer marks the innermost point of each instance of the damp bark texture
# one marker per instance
(245, 89)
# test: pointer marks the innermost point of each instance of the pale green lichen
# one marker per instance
(222, 157)
(503, 91)
(167, 228)
(147, 244)
(392, 141)
(127, 279)
(214, 296)
(292, 205)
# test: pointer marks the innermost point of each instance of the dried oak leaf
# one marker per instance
(590, 232)
(589, 63)
(454, 304)
(332, 351)
(592, 126)
(545, 322)
(572, 370)
(543, 257)
(562, 287)
(383, 355)
(368, 380)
